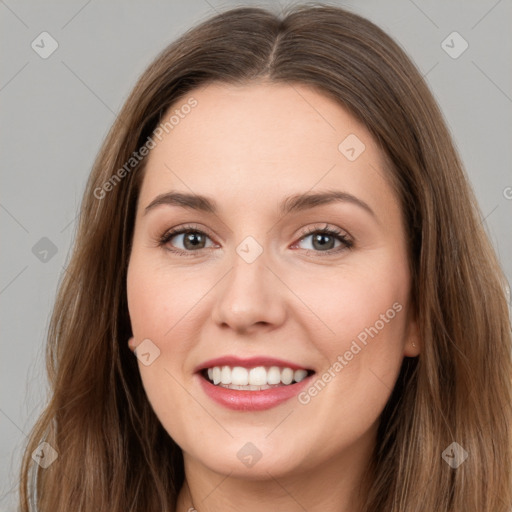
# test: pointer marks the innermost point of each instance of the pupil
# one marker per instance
(321, 239)
(192, 238)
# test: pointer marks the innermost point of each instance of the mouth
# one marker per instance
(252, 384)
(258, 378)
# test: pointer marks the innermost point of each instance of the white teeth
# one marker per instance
(239, 376)
(274, 375)
(300, 375)
(254, 379)
(225, 375)
(258, 376)
(286, 375)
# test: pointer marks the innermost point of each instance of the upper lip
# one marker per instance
(250, 362)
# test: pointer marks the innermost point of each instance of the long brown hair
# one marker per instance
(113, 454)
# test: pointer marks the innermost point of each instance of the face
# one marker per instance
(297, 309)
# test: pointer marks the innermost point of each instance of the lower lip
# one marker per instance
(240, 400)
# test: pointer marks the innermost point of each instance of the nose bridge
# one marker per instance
(250, 293)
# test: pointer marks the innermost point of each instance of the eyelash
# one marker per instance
(334, 232)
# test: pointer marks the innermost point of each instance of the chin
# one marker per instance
(241, 457)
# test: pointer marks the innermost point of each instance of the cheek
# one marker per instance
(159, 301)
(160, 310)
(367, 312)
(361, 337)
(359, 304)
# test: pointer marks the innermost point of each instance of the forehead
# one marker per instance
(260, 141)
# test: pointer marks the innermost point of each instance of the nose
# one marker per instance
(250, 297)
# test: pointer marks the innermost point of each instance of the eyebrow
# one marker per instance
(294, 203)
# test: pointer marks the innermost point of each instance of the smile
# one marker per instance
(258, 378)
(253, 384)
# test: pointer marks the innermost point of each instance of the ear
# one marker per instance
(413, 343)
(131, 344)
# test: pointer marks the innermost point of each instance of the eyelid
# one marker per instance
(346, 240)
(179, 230)
(326, 227)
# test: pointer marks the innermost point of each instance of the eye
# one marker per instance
(324, 240)
(191, 238)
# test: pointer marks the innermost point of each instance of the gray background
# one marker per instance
(56, 111)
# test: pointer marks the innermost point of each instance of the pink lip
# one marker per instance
(240, 400)
(250, 362)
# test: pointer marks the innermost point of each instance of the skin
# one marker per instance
(249, 147)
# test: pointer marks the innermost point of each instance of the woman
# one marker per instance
(281, 295)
